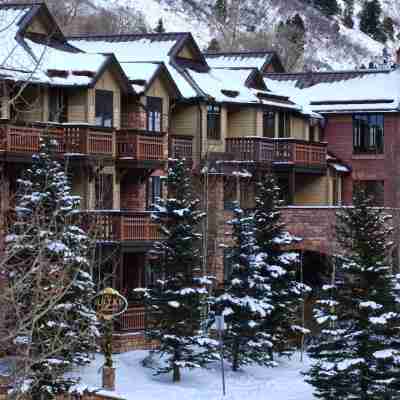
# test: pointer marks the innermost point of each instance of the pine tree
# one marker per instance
(388, 27)
(48, 270)
(357, 354)
(245, 302)
(348, 14)
(370, 20)
(328, 7)
(220, 10)
(160, 26)
(278, 267)
(178, 296)
(214, 46)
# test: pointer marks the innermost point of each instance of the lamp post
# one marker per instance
(109, 304)
(220, 325)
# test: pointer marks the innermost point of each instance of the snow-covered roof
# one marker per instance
(354, 91)
(23, 58)
(245, 59)
(140, 48)
(229, 85)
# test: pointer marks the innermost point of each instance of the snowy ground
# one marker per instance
(254, 383)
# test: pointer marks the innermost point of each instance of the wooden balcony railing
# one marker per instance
(72, 139)
(181, 147)
(145, 121)
(133, 319)
(140, 147)
(266, 150)
(114, 226)
(251, 149)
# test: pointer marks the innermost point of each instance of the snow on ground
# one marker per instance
(284, 382)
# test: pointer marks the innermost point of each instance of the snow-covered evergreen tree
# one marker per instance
(47, 266)
(245, 302)
(279, 268)
(177, 297)
(357, 356)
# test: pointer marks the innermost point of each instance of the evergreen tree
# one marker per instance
(388, 27)
(279, 268)
(246, 300)
(220, 10)
(357, 354)
(48, 270)
(214, 46)
(328, 7)
(348, 14)
(160, 26)
(177, 298)
(370, 20)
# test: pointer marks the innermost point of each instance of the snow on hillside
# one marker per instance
(326, 48)
(253, 383)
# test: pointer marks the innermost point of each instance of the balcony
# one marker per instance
(133, 319)
(22, 140)
(121, 226)
(266, 151)
(181, 147)
(134, 147)
(145, 121)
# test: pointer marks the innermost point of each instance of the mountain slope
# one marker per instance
(329, 44)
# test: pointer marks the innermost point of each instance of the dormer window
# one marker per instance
(104, 108)
(269, 124)
(214, 122)
(154, 114)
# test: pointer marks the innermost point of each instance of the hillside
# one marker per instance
(326, 47)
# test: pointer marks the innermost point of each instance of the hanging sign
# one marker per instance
(109, 303)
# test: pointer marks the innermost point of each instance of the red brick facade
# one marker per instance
(382, 167)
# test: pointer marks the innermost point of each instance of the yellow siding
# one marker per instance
(158, 89)
(77, 105)
(108, 82)
(311, 190)
(242, 123)
(37, 26)
(259, 123)
(186, 53)
(298, 128)
(31, 109)
(186, 121)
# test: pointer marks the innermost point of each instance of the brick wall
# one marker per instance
(133, 194)
(339, 135)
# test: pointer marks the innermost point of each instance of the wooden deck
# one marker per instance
(278, 151)
(115, 226)
(181, 146)
(70, 139)
(133, 319)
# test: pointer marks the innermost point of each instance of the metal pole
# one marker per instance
(221, 345)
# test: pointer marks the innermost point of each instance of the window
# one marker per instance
(284, 125)
(335, 190)
(154, 191)
(247, 195)
(368, 133)
(58, 105)
(104, 108)
(214, 122)
(312, 134)
(374, 189)
(154, 114)
(269, 124)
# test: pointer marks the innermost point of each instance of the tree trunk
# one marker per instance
(177, 374)
(235, 356)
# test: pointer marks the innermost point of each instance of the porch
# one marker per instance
(277, 152)
(24, 140)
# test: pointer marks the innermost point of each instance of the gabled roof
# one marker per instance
(263, 60)
(340, 91)
(49, 60)
(142, 75)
